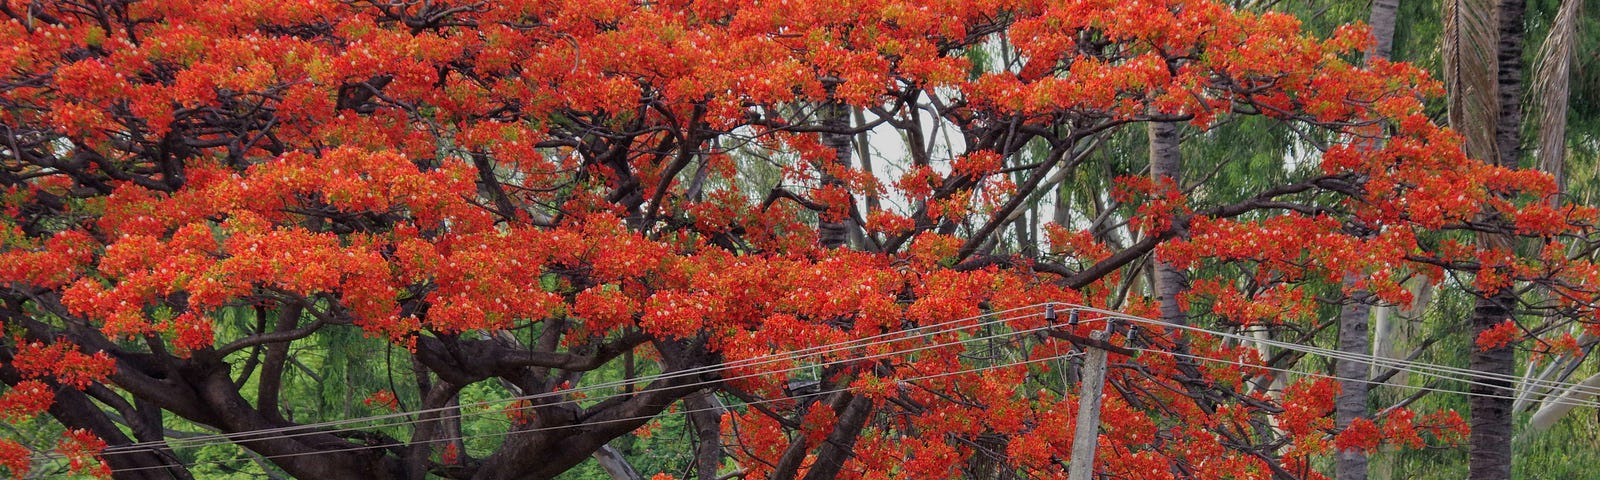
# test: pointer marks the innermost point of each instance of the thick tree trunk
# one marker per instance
(1489, 451)
(277, 354)
(705, 413)
(1166, 164)
(1508, 80)
(310, 456)
(562, 436)
(74, 409)
(841, 443)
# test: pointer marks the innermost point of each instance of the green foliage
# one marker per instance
(1570, 449)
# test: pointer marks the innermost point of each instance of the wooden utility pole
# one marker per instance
(1089, 393)
(1093, 382)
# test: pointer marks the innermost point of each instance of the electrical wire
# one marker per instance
(232, 437)
(1441, 371)
(1381, 361)
(953, 327)
(464, 412)
(1369, 382)
(797, 397)
(619, 420)
(1363, 360)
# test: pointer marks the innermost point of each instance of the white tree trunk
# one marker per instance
(1558, 406)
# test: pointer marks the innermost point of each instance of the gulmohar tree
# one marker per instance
(521, 193)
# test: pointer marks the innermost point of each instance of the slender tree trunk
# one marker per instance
(1391, 338)
(1561, 402)
(1063, 213)
(1166, 163)
(864, 150)
(1382, 19)
(835, 116)
(1351, 404)
(1354, 315)
(615, 464)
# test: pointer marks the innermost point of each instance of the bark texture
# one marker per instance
(1351, 404)
(836, 118)
(1166, 163)
(1489, 451)
(1354, 315)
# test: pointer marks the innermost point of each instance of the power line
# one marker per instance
(1312, 350)
(793, 397)
(620, 420)
(194, 442)
(228, 438)
(1369, 382)
(1419, 368)
(1451, 373)
(1407, 366)
(465, 413)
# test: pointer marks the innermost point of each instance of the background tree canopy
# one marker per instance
(794, 239)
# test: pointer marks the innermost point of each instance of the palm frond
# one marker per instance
(1552, 88)
(1469, 73)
